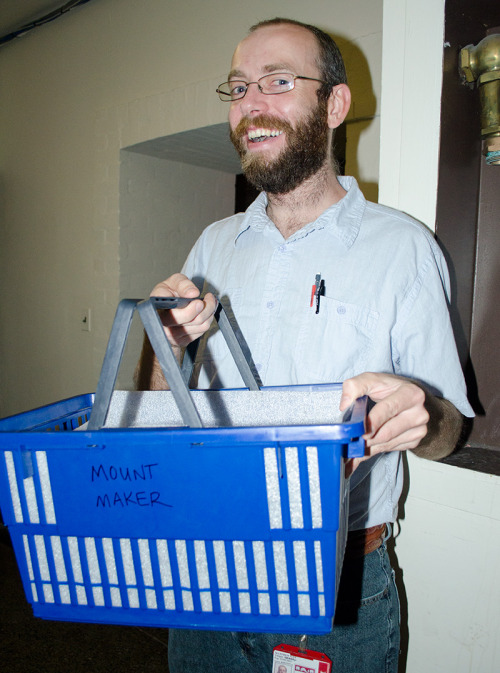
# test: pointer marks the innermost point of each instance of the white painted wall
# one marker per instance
(164, 207)
(105, 76)
(449, 544)
(448, 550)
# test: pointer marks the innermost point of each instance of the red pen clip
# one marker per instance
(313, 292)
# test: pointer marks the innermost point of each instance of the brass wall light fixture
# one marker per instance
(482, 63)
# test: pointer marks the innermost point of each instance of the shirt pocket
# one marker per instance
(336, 343)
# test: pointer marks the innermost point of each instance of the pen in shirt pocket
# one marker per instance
(318, 290)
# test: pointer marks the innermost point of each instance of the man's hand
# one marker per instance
(405, 416)
(181, 325)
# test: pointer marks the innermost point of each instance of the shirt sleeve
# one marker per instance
(423, 341)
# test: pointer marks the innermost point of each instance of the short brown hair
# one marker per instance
(330, 62)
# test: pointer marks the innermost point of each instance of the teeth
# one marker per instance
(263, 133)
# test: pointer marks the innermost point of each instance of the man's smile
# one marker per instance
(258, 135)
(262, 130)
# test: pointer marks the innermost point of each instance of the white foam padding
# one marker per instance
(227, 408)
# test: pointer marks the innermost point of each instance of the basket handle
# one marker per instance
(178, 379)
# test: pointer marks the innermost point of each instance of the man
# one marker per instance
(382, 307)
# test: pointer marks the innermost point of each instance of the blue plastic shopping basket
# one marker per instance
(228, 528)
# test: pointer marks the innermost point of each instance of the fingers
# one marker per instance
(176, 285)
(183, 325)
(401, 406)
(399, 419)
(376, 386)
(194, 315)
(187, 324)
(351, 464)
(392, 438)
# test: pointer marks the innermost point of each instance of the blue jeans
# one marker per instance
(364, 639)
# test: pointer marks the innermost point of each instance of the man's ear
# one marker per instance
(339, 102)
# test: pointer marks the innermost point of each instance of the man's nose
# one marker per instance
(254, 100)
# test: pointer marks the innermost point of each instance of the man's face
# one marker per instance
(281, 139)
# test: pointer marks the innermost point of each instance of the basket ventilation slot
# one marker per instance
(247, 577)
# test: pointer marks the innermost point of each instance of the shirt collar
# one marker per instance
(255, 216)
(342, 219)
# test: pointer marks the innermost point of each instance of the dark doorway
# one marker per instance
(467, 222)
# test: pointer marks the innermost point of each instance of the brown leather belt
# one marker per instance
(362, 542)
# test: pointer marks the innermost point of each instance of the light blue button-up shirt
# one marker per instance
(384, 309)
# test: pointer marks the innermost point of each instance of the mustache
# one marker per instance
(261, 121)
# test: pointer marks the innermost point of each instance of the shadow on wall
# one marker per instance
(361, 117)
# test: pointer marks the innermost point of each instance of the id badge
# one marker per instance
(290, 659)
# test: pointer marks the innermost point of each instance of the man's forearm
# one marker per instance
(148, 373)
(443, 430)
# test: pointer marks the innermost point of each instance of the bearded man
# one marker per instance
(382, 326)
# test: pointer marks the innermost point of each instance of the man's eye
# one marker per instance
(238, 88)
(279, 82)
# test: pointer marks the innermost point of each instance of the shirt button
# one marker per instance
(281, 248)
(341, 310)
(270, 304)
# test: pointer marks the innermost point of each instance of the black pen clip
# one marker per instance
(320, 291)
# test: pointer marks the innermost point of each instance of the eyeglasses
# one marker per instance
(269, 84)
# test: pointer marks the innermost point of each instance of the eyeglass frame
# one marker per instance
(266, 93)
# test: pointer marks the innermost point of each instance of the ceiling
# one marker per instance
(17, 13)
(208, 147)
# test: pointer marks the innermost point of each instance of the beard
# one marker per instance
(305, 153)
